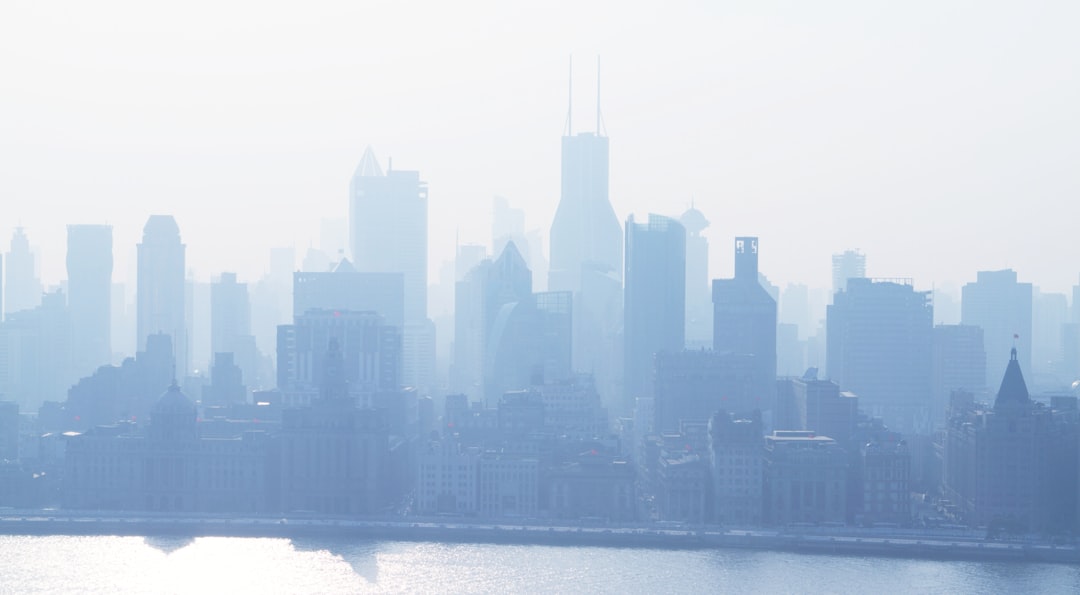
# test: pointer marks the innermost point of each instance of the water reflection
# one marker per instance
(361, 556)
(168, 544)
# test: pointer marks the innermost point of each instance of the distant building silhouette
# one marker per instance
(744, 321)
(371, 351)
(1002, 307)
(820, 407)
(120, 393)
(344, 288)
(22, 288)
(1049, 313)
(162, 288)
(699, 309)
(587, 256)
(959, 363)
(388, 219)
(654, 309)
(230, 328)
(35, 353)
(879, 346)
(9, 431)
(89, 268)
(692, 385)
(849, 264)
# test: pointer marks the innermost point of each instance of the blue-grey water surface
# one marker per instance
(102, 564)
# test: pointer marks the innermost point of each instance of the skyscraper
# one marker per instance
(389, 228)
(744, 319)
(587, 254)
(849, 264)
(879, 345)
(959, 363)
(699, 311)
(654, 310)
(585, 234)
(388, 221)
(1002, 307)
(161, 287)
(89, 268)
(22, 288)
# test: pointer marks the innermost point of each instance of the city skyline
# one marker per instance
(869, 136)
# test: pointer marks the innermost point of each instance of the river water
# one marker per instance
(103, 564)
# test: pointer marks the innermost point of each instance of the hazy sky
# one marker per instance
(938, 137)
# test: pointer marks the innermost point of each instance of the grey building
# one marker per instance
(744, 320)
(371, 351)
(586, 256)
(699, 310)
(1001, 305)
(879, 345)
(692, 385)
(22, 288)
(806, 478)
(849, 264)
(230, 326)
(161, 288)
(959, 363)
(654, 310)
(736, 458)
(89, 269)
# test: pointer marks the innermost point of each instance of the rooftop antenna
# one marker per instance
(570, 100)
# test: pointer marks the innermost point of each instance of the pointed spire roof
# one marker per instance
(1013, 391)
(344, 267)
(369, 165)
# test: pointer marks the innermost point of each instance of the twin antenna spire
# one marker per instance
(570, 102)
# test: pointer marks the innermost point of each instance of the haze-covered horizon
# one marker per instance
(939, 140)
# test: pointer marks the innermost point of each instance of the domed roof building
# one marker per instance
(173, 417)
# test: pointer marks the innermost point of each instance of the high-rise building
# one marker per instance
(820, 407)
(879, 340)
(162, 287)
(744, 319)
(230, 327)
(89, 268)
(1049, 311)
(35, 353)
(849, 264)
(1002, 307)
(959, 363)
(586, 251)
(22, 287)
(692, 385)
(230, 313)
(506, 336)
(585, 234)
(699, 311)
(389, 223)
(344, 288)
(654, 307)
(370, 350)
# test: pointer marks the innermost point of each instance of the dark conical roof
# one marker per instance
(1013, 389)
